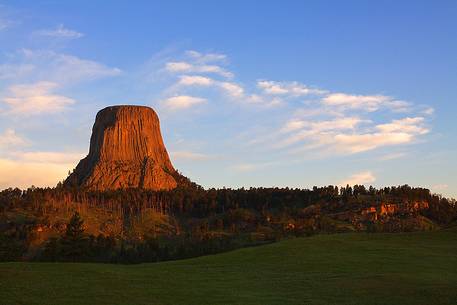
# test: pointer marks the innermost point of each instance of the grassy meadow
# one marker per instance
(352, 269)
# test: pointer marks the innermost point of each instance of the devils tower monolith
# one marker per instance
(126, 151)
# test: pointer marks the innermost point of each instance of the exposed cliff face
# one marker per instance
(389, 209)
(379, 212)
(126, 150)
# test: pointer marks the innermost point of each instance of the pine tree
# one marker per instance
(75, 228)
(74, 241)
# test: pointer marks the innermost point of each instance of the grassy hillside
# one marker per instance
(413, 268)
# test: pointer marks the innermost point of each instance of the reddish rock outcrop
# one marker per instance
(126, 150)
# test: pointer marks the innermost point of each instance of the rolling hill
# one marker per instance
(404, 268)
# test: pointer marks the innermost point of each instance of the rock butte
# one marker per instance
(126, 151)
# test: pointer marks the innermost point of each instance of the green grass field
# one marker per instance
(409, 268)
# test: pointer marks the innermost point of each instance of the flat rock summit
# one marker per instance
(126, 151)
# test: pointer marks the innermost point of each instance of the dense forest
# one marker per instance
(136, 225)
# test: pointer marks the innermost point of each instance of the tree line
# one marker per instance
(204, 220)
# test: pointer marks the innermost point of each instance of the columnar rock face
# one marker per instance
(126, 150)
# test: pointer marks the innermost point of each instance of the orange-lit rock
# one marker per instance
(388, 209)
(126, 150)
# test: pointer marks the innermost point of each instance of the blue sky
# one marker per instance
(271, 93)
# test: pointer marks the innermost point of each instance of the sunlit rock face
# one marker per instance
(126, 151)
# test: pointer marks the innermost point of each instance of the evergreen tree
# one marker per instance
(74, 241)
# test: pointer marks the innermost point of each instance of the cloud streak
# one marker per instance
(195, 80)
(205, 58)
(188, 76)
(185, 67)
(9, 139)
(4, 24)
(362, 178)
(294, 89)
(181, 102)
(61, 32)
(319, 120)
(368, 103)
(35, 76)
(35, 99)
(44, 65)
(333, 135)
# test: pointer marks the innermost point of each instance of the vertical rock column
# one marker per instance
(126, 150)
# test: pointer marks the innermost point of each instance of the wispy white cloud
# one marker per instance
(185, 67)
(287, 88)
(356, 143)
(197, 64)
(7, 18)
(15, 71)
(392, 156)
(362, 178)
(316, 112)
(263, 101)
(345, 135)
(180, 66)
(195, 80)
(330, 125)
(203, 63)
(368, 103)
(232, 89)
(206, 57)
(319, 120)
(293, 125)
(34, 99)
(405, 125)
(428, 111)
(64, 68)
(9, 139)
(315, 130)
(182, 102)
(44, 65)
(34, 77)
(4, 23)
(61, 32)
